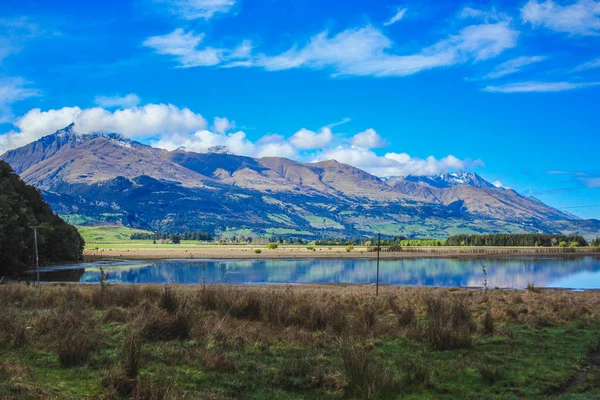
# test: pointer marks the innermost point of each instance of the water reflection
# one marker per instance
(572, 272)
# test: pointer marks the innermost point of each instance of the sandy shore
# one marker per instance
(246, 252)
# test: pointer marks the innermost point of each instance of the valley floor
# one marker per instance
(297, 342)
(149, 251)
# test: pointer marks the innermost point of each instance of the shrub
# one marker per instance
(258, 251)
(395, 248)
(369, 315)
(272, 246)
(130, 355)
(168, 300)
(490, 373)
(116, 314)
(349, 248)
(366, 378)
(405, 316)
(311, 248)
(487, 323)
(294, 374)
(562, 244)
(118, 381)
(532, 288)
(416, 373)
(75, 347)
(217, 360)
(161, 326)
(449, 323)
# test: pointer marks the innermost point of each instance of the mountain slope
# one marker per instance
(476, 196)
(104, 178)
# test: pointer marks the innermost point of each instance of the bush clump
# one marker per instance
(449, 323)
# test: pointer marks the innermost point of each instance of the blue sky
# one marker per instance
(509, 90)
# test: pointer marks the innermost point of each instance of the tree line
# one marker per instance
(596, 242)
(21, 207)
(525, 239)
(196, 235)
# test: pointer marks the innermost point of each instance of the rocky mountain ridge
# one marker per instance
(105, 178)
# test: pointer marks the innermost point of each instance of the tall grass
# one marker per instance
(449, 323)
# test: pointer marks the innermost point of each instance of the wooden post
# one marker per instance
(377, 277)
(37, 260)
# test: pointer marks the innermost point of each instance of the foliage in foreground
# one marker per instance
(21, 207)
(227, 342)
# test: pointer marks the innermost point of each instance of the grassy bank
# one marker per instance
(297, 342)
(107, 233)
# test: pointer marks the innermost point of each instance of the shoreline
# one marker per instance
(291, 253)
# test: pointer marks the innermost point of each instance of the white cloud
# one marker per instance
(368, 139)
(497, 183)
(136, 122)
(491, 15)
(275, 146)
(513, 66)
(222, 125)
(579, 18)
(338, 123)
(364, 51)
(169, 127)
(395, 164)
(201, 141)
(184, 47)
(397, 17)
(306, 139)
(593, 182)
(360, 51)
(14, 32)
(532, 86)
(129, 100)
(592, 64)
(13, 90)
(197, 9)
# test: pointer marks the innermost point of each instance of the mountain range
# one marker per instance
(107, 179)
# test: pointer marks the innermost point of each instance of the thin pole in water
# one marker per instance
(377, 278)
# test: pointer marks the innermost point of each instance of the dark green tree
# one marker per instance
(21, 207)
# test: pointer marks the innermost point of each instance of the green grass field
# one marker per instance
(222, 342)
(107, 233)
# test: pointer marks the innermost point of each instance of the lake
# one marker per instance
(582, 272)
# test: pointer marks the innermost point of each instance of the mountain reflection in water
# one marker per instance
(570, 272)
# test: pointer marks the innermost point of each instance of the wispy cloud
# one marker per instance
(184, 46)
(364, 51)
(532, 86)
(491, 15)
(592, 64)
(397, 17)
(338, 123)
(513, 66)
(359, 51)
(579, 18)
(197, 9)
(593, 182)
(129, 100)
(14, 32)
(13, 90)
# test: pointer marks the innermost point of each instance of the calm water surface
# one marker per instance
(571, 272)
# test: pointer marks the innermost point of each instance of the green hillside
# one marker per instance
(107, 233)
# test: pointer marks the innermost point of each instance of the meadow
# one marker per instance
(296, 342)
